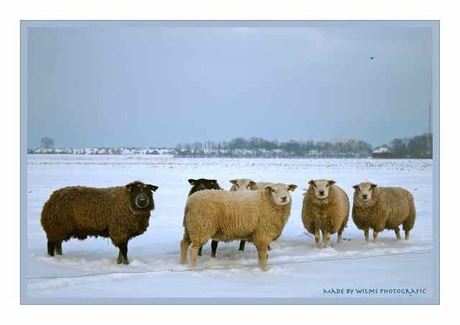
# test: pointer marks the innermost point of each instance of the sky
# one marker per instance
(152, 85)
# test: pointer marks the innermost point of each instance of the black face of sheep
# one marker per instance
(141, 198)
(203, 184)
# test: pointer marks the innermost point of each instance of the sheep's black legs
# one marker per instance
(123, 254)
(58, 248)
(214, 245)
(242, 244)
(50, 248)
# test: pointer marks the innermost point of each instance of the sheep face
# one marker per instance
(280, 193)
(141, 197)
(321, 187)
(363, 191)
(203, 184)
(243, 184)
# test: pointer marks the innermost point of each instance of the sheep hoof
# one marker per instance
(264, 268)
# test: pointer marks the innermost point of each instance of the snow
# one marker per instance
(382, 150)
(388, 269)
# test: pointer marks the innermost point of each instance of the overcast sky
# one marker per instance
(141, 85)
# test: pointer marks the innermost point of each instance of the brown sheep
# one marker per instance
(382, 208)
(119, 213)
(325, 208)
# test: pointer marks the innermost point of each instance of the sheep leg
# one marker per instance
(406, 237)
(366, 234)
(317, 238)
(214, 248)
(58, 248)
(194, 253)
(262, 252)
(398, 235)
(339, 236)
(123, 253)
(242, 244)
(184, 245)
(327, 239)
(375, 234)
(50, 248)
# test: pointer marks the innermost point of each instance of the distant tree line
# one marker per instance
(420, 146)
(259, 147)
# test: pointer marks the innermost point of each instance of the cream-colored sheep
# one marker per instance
(242, 184)
(262, 185)
(255, 216)
(325, 208)
(382, 208)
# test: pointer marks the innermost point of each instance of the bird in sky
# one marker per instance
(372, 58)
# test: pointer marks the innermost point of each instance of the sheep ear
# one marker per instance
(311, 182)
(233, 181)
(129, 186)
(268, 188)
(356, 187)
(373, 185)
(331, 182)
(292, 187)
(192, 181)
(153, 188)
(252, 183)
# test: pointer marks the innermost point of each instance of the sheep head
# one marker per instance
(364, 190)
(141, 197)
(280, 192)
(321, 187)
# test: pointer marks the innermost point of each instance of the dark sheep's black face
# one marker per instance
(141, 196)
(203, 184)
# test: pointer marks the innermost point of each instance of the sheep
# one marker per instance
(256, 216)
(382, 208)
(261, 185)
(242, 184)
(199, 185)
(203, 184)
(325, 208)
(245, 184)
(119, 213)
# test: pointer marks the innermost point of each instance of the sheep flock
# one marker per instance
(249, 211)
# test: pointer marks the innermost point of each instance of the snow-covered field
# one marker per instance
(350, 272)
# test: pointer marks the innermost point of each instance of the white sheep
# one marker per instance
(255, 216)
(325, 208)
(261, 185)
(242, 184)
(382, 208)
(245, 184)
